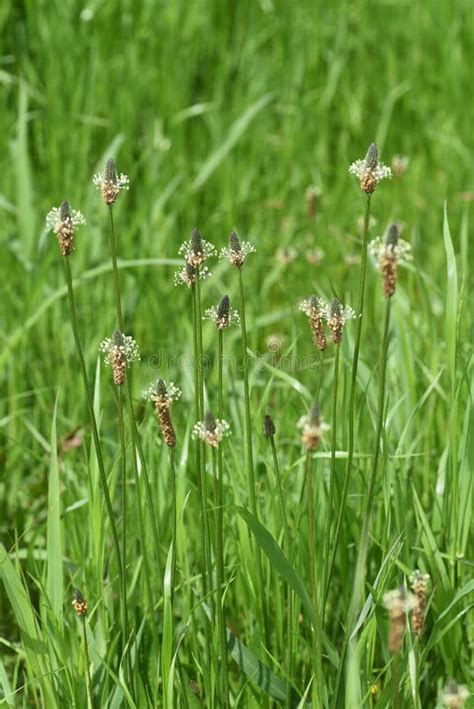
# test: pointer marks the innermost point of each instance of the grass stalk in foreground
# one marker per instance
(364, 537)
(221, 618)
(355, 363)
(204, 492)
(137, 446)
(269, 429)
(249, 460)
(90, 701)
(332, 483)
(316, 652)
(97, 446)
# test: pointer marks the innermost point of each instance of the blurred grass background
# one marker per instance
(223, 114)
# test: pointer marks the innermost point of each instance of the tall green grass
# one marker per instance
(223, 114)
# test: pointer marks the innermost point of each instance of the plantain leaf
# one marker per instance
(281, 564)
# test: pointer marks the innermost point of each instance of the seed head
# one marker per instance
(163, 395)
(372, 157)
(455, 695)
(312, 428)
(223, 316)
(370, 171)
(211, 430)
(268, 426)
(237, 251)
(80, 604)
(419, 585)
(337, 316)
(196, 250)
(315, 308)
(398, 603)
(119, 350)
(63, 221)
(388, 253)
(110, 183)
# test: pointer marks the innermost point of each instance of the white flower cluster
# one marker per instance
(195, 257)
(55, 220)
(186, 276)
(162, 390)
(121, 182)
(236, 255)
(380, 172)
(379, 250)
(119, 345)
(222, 322)
(212, 435)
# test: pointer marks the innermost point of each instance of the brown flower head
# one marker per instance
(315, 308)
(119, 350)
(162, 395)
(63, 221)
(370, 171)
(237, 251)
(312, 428)
(80, 604)
(110, 183)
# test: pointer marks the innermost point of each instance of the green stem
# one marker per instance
(355, 363)
(113, 253)
(200, 367)
(95, 435)
(332, 483)
(90, 701)
(123, 480)
(199, 417)
(174, 518)
(395, 683)
(221, 621)
(137, 447)
(316, 654)
(289, 610)
(364, 537)
(249, 459)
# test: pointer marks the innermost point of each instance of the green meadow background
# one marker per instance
(223, 113)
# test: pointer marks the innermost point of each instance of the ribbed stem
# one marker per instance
(137, 446)
(95, 436)
(364, 537)
(199, 452)
(332, 482)
(289, 610)
(90, 700)
(249, 460)
(174, 517)
(355, 363)
(113, 254)
(316, 653)
(221, 622)
(200, 367)
(123, 483)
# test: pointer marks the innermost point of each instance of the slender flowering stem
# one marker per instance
(287, 537)
(355, 363)
(200, 368)
(113, 253)
(137, 446)
(90, 700)
(221, 622)
(249, 457)
(332, 482)
(364, 538)
(144, 474)
(174, 517)
(199, 451)
(316, 653)
(96, 438)
(123, 482)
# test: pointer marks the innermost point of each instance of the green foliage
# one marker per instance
(223, 114)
